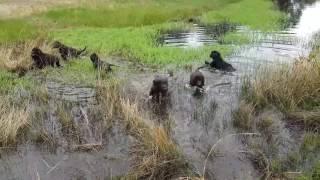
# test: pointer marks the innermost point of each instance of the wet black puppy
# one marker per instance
(197, 79)
(159, 89)
(67, 52)
(41, 59)
(99, 64)
(218, 63)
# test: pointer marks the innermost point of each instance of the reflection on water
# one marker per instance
(279, 46)
(309, 22)
(294, 8)
(197, 36)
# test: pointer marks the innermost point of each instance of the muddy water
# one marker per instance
(70, 139)
(199, 123)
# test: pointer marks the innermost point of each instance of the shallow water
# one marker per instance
(197, 36)
(201, 122)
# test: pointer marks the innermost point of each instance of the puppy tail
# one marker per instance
(81, 51)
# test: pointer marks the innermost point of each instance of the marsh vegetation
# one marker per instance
(80, 122)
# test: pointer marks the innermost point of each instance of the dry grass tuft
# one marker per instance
(16, 57)
(309, 118)
(155, 155)
(244, 116)
(12, 119)
(293, 88)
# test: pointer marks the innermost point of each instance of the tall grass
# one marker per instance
(155, 155)
(18, 55)
(16, 59)
(290, 88)
(13, 118)
(294, 89)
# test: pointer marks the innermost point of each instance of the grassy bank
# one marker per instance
(134, 13)
(287, 94)
(14, 30)
(245, 12)
(140, 43)
(131, 29)
(292, 89)
(135, 44)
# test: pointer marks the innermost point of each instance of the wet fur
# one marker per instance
(99, 64)
(197, 79)
(41, 59)
(218, 62)
(67, 52)
(159, 89)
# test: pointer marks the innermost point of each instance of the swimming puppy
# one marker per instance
(218, 62)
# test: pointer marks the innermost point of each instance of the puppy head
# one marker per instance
(161, 83)
(56, 44)
(215, 55)
(94, 57)
(36, 52)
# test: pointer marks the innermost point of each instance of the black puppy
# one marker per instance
(99, 64)
(218, 63)
(66, 51)
(41, 59)
(159, 89)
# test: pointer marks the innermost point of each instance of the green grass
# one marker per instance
(313, 174)
(135, 44)
(75, 71)
(16, 30)
(132, 32)
(257, 14)
(9, 81)
(134, 13)
(130, 28)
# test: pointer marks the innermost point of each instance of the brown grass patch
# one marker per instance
(288, 87)
(17, 56)
(294, 89)
(244, 116)
(13, 118)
